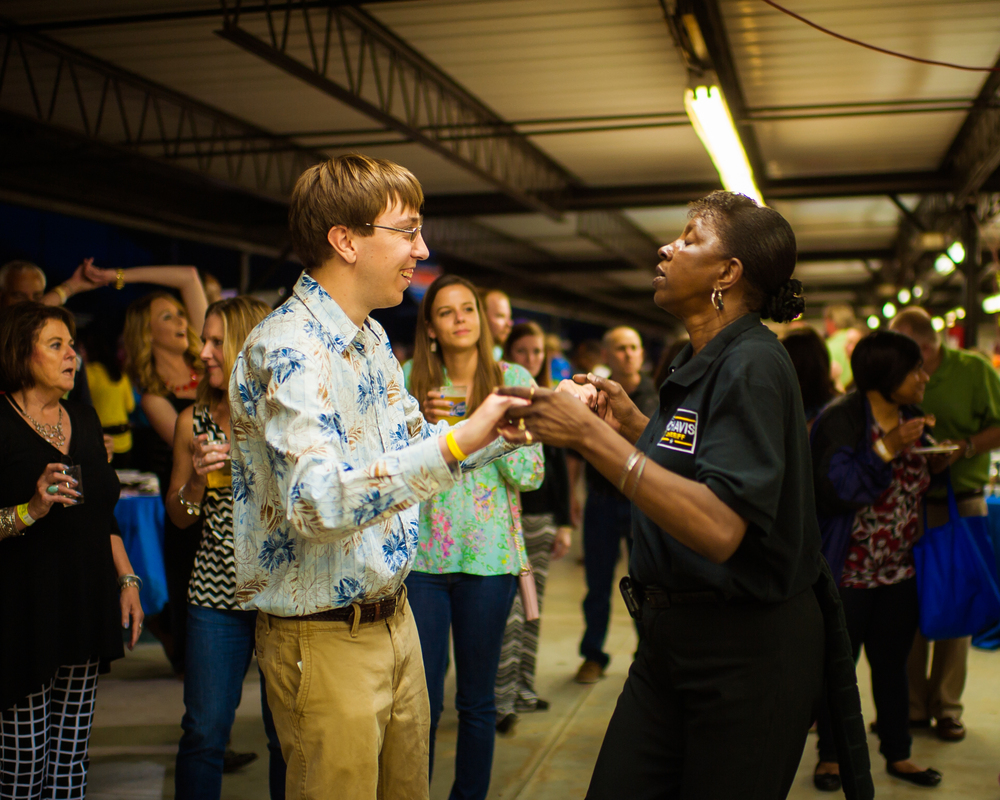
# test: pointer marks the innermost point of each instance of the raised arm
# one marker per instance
(184, 279)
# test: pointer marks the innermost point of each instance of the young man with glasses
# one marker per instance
(330, 458)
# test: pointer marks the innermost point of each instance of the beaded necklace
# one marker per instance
(53, 434)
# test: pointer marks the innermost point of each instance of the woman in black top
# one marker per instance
(547, 535)
(729, 671)
(67, 587)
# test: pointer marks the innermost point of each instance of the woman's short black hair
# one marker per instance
(882, 360)
(20, 325)
(764, 242)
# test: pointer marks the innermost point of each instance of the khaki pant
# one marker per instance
(353, 719)
(939, 695)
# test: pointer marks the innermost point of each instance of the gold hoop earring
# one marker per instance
(717, 300)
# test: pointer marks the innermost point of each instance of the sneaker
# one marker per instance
(589, 672)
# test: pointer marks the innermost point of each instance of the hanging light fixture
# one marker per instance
(706, 108)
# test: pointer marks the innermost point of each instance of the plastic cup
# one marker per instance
(75, 471)
(457, 396)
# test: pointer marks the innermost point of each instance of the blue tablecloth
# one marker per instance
(141, 523)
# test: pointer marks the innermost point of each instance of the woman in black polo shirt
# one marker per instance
(729, 672)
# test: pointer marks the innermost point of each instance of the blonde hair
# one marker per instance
(138, 339)
(428, 368)
(239, 316)
(529, 328)
(350, 190)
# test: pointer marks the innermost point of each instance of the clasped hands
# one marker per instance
(562, 417)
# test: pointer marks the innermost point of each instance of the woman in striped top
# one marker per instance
(220, 634)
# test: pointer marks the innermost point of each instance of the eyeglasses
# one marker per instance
(411, 232)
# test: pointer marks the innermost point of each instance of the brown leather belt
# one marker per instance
(369, 612)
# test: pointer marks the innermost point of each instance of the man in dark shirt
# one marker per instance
(607, 516)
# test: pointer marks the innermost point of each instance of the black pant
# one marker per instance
(717, 703)
(884, 620)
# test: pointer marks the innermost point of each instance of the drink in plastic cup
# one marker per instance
(456, 395)
(221, 478)
(75, 471)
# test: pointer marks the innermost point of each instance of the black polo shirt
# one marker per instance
(731, 417)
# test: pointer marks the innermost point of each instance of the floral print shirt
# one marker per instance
(882, 538)
(330, 457)
(469, 528)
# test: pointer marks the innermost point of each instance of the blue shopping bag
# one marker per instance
(956, 576)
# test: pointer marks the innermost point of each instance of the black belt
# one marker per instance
(114, 430)
(373, 611)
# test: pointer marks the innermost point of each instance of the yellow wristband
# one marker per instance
(62, 293)
(453, 447)
(26, 518)
(119, 279)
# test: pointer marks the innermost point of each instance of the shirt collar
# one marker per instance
(697, 365)
(330, 315)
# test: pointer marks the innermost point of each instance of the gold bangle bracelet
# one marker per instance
(119, 279)
(61, 292)
(882, 450)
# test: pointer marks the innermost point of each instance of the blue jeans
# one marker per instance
(219, 648)
(475, 609)
(606, 521)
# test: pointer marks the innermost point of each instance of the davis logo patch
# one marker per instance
(681, 432)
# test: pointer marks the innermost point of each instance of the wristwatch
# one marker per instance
(970, 448)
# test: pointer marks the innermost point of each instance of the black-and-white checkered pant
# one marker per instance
(43, 739)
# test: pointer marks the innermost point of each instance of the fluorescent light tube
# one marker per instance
(709, 114)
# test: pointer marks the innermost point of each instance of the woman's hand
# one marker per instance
(614, 405)
(96, 276)
(481, 428)
(562, 542)
(436, 408)
(903, 435)
(132, 614)
(555, 418)
(43, 500)
(109, 447)
(208, 456)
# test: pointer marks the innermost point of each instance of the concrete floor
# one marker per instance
(549, 755)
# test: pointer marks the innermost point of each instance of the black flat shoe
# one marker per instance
(826, 781)
(541, 705)
(506, 723)
(232, 761)
(929, 777)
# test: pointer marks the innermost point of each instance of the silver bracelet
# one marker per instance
(124, 581)
(192, 509)
(627, 469)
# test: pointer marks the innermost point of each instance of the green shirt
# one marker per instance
(836, 344)
(964, 395)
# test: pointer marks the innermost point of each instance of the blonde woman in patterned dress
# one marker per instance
(471, 547)
(220, 634)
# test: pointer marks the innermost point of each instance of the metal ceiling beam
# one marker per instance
(974, 155)
(347, 54)
(529, 266)
(60, 86)
(713, 31)
(213, 11)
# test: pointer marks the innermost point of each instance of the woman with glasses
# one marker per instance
(66, 584)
